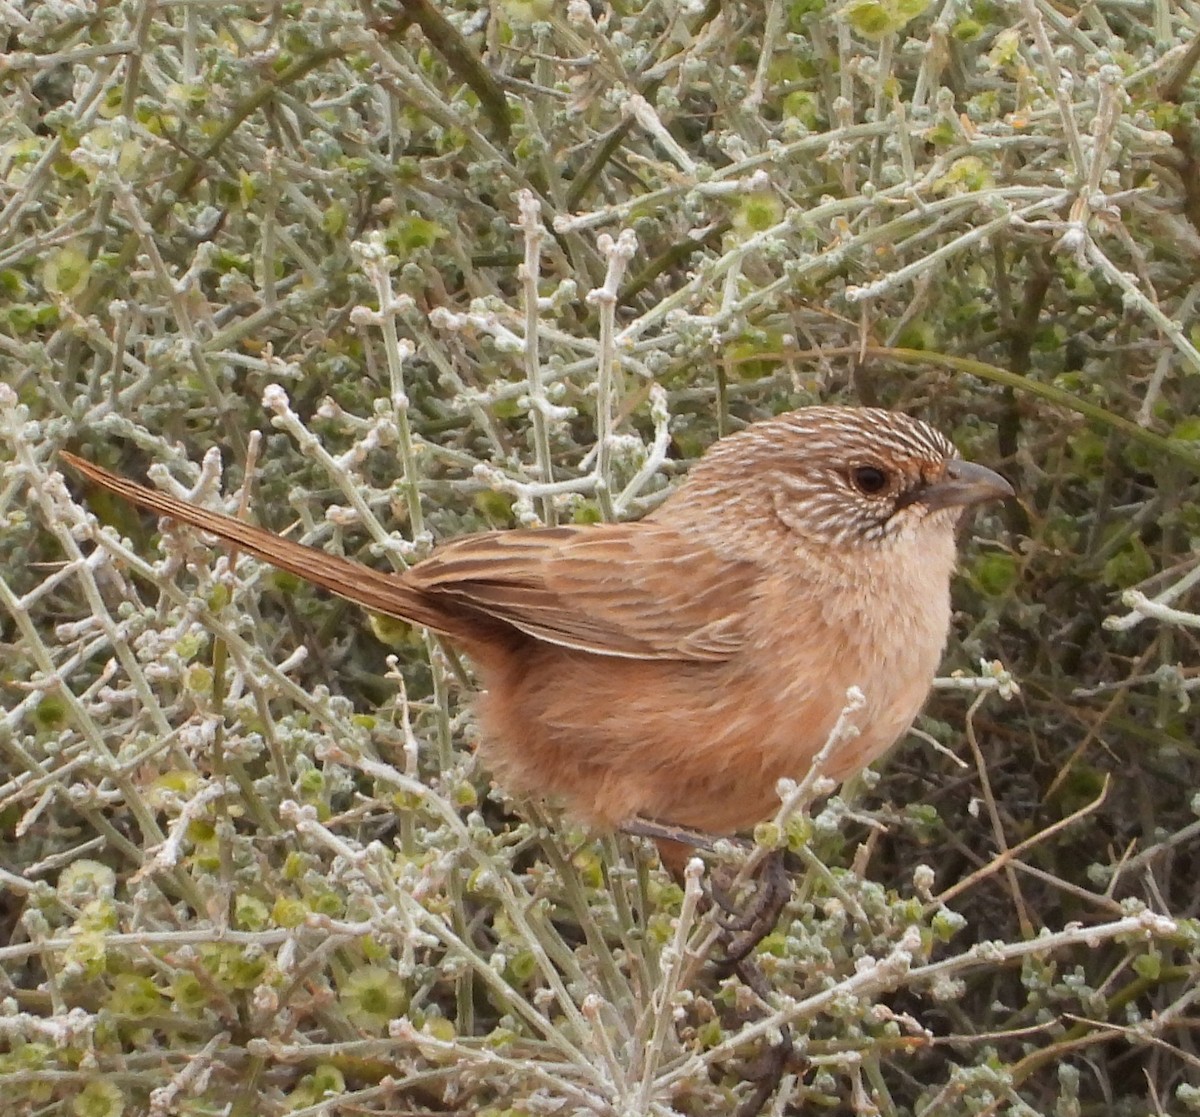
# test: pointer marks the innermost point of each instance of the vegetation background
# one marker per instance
(407, 270)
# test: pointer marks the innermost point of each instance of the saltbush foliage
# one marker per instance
(385, 273)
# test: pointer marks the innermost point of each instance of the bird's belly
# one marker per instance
(700, 745)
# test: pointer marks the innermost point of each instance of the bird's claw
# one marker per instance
(745, 926)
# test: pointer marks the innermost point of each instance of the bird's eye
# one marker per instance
(869, 480)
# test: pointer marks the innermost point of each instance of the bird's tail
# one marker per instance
(379, 592)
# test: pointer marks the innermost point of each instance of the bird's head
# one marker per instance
(845, 476)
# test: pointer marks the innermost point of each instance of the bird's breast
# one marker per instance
(880, 627)
(704, 744)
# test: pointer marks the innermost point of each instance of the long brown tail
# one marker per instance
(382, 593)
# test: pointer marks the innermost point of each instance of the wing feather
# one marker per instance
(641, 590)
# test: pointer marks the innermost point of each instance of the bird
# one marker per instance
(676, 668)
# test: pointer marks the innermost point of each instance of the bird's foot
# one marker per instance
(745, 925)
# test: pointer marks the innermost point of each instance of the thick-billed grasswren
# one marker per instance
(677, 667)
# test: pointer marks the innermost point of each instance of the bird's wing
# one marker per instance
(636, 590)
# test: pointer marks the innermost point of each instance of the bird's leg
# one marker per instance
(743, 926)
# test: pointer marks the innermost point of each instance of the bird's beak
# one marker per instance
(964, 484)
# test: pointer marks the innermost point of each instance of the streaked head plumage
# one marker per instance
(850, 475)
